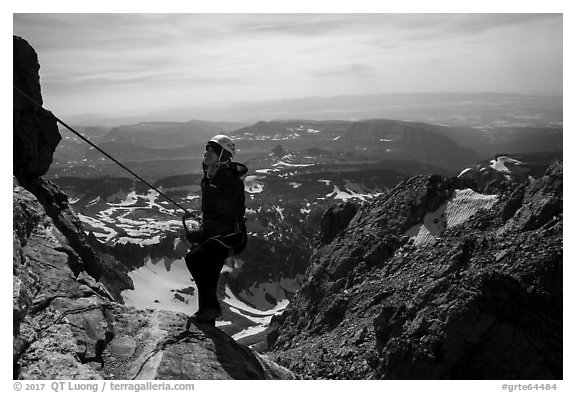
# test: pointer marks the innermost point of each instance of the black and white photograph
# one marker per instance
(324, 196)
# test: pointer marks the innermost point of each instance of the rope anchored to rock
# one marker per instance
(100, 150)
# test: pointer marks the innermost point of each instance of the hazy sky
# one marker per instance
(133, 63)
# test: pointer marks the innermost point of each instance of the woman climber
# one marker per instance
(223, 230)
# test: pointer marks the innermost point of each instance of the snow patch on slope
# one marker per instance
(259, 293)
(261, 319)
(287, 164)
(155, 287)
(463, 205)
(130, 200)
(266, 171)
(349, 193)
(252, 185)
(108, 233)
(280, 211)
(499, 164)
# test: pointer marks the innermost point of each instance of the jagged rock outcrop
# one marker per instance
(35, 130)
(68, 322)
(541, 202)
(483, 301)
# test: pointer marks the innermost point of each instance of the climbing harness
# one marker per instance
(238, 246)
(103, 152)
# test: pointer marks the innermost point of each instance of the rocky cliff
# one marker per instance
(68, 322)
(435, 280)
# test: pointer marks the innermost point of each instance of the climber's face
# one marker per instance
(210, 157)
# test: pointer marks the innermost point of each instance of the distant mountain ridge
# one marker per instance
(154, 138)
(445, 146)
(480, 141)
(169, 134)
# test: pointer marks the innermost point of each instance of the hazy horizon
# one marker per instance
(130, 65)
(471, 109)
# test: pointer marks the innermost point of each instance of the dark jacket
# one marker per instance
(223, 200)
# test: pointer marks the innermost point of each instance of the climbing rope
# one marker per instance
(99, 149)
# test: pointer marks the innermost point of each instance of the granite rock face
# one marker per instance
(48, 281)
(35, 133)
(483, 301)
